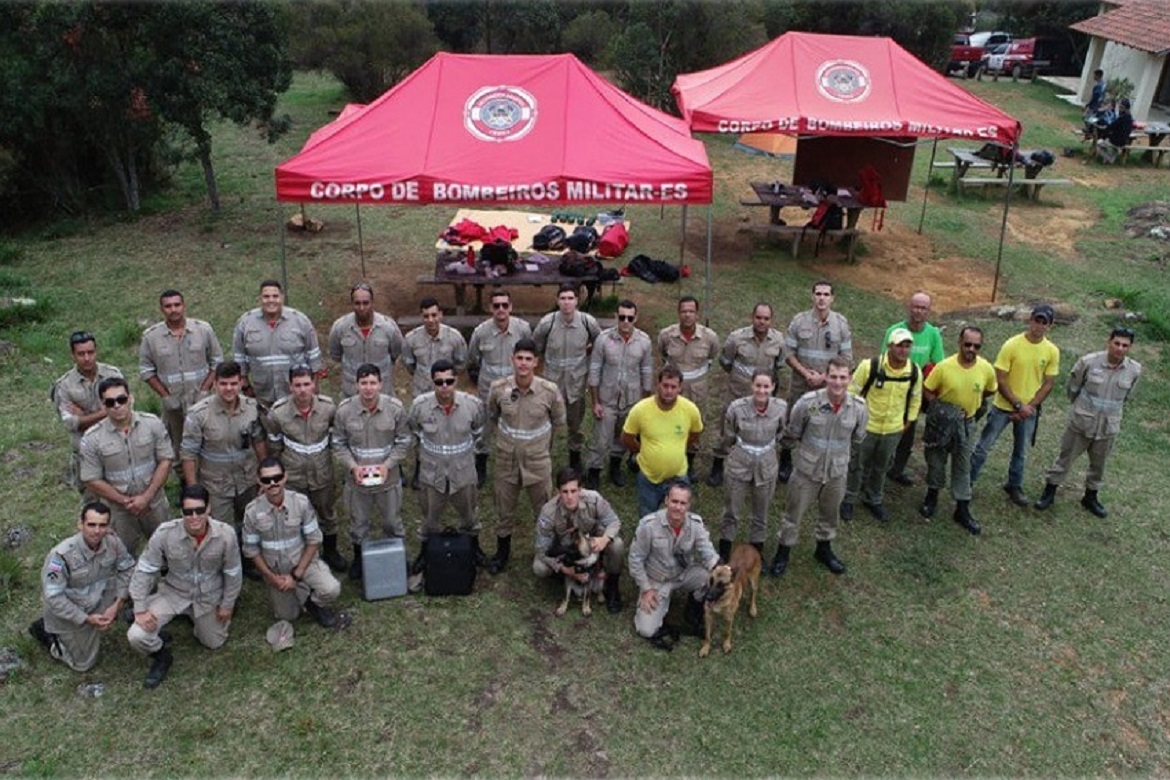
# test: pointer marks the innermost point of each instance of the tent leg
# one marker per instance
(709, 305)
(361, 246)
(1007, 201)
(682, 238)
(926, 187)
(283, 253)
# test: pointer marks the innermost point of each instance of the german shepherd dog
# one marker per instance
(725, 590)
(583, 560)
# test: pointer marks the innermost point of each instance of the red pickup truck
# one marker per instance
(967, 50)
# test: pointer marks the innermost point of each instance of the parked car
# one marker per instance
(1026, 57)
(967, 50)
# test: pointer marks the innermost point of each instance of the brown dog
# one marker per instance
(725, 590)
(583, 560)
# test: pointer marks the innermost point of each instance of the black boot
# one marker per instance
(780, 562)
(160, 665)
(616, 475)
(481, 469)
(355, 568)
(481, 559)
(725, 550)
(1046, 498)
(964, 517)
(414, 479)
(503, 551)
(575, 460)
(325, 617)
(691, 467)
(664, 638)
(1089, 501)
(785, 465)
(845, 511)
(613, 594)
(759, 548)
(330, 555)
(693, 614)
(715, 478)
(37, 630)
(929, 504)
(250, 570)
(824, 554)
(593, 479)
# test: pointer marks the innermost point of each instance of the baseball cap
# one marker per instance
(280, 635)
(1045, 311)
(898, 335)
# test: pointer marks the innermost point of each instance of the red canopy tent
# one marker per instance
(808, 84)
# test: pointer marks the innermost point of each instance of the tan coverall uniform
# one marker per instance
(556, 526)
(377, 438)
(281, 534)
(446, 455)
(750, 439)
(128, 462)
(198, 581)
(525, 422)
(302, 444)
(77, 582)
(352, 349)
(182, 363)
(266, 353)
(420, 351)
(743, 354)
(564, 352)
(73, 388)
(814, 343)
(666, 563)
(694, 357)
(221, 442)
(623, 373)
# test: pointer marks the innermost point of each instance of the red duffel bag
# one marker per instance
(614, 240)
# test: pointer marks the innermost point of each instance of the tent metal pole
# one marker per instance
(357, 207)
(682, 237)
(283, 254)
(926, 187)
(1007, 201)
(709, 303)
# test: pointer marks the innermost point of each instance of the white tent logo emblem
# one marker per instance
(500, 113)
(843, 81)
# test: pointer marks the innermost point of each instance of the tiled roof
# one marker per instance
(1140, 24)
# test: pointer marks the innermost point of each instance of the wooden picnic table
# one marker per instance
(777, 195)
(546, 274)
(966, 159)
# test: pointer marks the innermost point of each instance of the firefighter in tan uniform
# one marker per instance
(75, 396)
(177, 358)
(814, 337)
(756, 347)
(753, 427)
(195, 563)
(525, 410)
(270, 340)
(299, 433)
(125, 462)
(693, 349)
(429, 342)
(826, 423)
(564, 338)
(371, 439)
(621, 373)
(282, 537)
(489, 357)
(85, 581)
(364, 336)
(223, 440)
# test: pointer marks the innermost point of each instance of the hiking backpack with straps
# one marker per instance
(876, 374)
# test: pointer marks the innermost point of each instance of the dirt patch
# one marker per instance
(1056, 230)
(1149, 220)
(542, 640)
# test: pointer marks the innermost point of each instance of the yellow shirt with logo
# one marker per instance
(663, 434)
(962, 386)
(1026, 365)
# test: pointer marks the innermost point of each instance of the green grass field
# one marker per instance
(1034, 649)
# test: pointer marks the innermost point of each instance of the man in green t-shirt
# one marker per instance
(926, 350)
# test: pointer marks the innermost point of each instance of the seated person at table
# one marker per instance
(1116, 134)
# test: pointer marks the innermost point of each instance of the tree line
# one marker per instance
(100, 100)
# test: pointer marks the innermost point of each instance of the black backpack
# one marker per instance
(876, 374)
(550, 237)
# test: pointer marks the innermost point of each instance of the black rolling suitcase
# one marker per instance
(450, 564)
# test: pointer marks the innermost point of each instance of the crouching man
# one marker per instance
(203, 577)
(85, 580)
(576, 509)
(282, 537)
(671, 551)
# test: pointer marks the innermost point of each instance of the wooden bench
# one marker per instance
(1031, 187)
(460, 283)
(796, 233)
(1155, 153)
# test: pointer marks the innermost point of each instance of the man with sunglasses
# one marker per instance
(1025, 369)
(446, 424)
(364, 336)
(195, 563)
(1099, 387)
(422, 346)
(75, 396)
(755, 347)
(177, 358)
(371, 439)
(271, 339)
(125, 462)
(299, 427)
(621, 373)
(223, 440)
(564, 338)
(489, 357)
(282, 538)
(957, 390)
(814, 338)
(692, 348)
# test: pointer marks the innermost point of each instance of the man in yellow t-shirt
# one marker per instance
(1026, 369)
(956, 389)
(659, 430)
